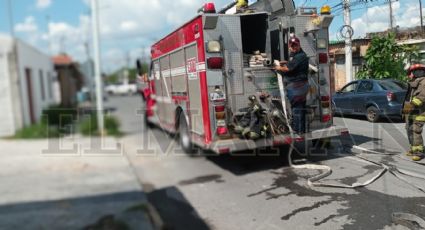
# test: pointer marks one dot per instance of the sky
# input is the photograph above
(129, 27)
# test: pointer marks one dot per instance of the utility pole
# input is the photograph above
(390, 3)
(348, 43)
(49, 36)
(90, 71)
(96, 47)
(422, 18)
(11, 22)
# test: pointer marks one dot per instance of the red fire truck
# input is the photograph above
(203, 73)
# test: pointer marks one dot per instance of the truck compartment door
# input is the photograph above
(194, 88)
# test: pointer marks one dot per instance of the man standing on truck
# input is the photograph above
(295, 73)
(414, 110)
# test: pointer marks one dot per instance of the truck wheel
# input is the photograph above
(183, 136)
(372, 114)
(148, 124)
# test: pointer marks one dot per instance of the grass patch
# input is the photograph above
(37, 131)
(88, 127)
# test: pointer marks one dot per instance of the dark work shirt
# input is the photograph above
(296, 79)
(298, 67)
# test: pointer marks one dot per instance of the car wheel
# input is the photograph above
(372, 114)
(183, 136)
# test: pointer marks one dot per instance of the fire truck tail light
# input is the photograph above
(323, 58)
(326, 111)
(220, 108)
(213, 47)
(326, 118)
(326, 104)
(220, 115)
(215, 63)
(322, 43)
(325, 98)
(221, 130)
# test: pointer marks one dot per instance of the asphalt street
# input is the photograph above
(205, 191)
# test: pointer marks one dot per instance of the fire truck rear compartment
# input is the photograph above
(254, 33)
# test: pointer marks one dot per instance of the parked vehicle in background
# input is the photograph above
(373, 98)
(121, 89)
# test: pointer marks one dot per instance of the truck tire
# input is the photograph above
(148, 124)
(183, 135)
(372, 114)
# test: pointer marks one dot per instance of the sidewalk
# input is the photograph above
(52, 189)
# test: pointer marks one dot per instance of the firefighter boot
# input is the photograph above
(417, 153)
(417, 156)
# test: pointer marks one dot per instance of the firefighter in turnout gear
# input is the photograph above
(414, 111)
(241, 6)
(252, 124)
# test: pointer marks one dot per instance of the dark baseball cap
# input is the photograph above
(294, 41)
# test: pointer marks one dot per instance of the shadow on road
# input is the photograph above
(355, 139)
(242, 163)
(174, 209)
(111, 211)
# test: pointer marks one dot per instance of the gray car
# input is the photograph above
(372, 98)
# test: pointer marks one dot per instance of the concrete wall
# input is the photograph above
(14, 95)
(8, 123)
(42, 73)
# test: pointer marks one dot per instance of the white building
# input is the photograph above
(27, 85)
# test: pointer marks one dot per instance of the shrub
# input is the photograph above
(58, 115)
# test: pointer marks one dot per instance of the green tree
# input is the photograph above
(386, 59)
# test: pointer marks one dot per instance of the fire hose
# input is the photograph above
(315, 180)
(406, 219)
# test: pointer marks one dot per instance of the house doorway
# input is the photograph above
(28, 78)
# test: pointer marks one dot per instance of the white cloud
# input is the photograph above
(68, 38)
(42, 4)
(27, 26)
(128, 25)
(145, 17)
(376, 18)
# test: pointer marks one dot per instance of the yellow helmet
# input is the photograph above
(241, 3)
(325, 9)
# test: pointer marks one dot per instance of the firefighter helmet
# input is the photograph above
(241, 3)
(416, 70)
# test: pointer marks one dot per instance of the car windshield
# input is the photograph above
(392, 85)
